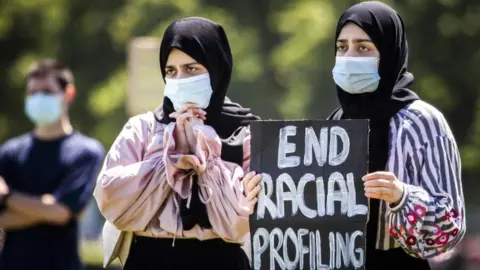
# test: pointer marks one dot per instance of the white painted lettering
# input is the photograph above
(319, 253)
(337, 195)
(284, 148)
(331, 243)
(312, 254)
(283, 196)
(354, 208)
(286, 190)
(317, 145)
(264, 200)
(290, 234)
(335, 158)
(320, 184)
(303, 249)
(274, 254)
(260, 244)
(342, 250)
(357, 262)
(310, 213)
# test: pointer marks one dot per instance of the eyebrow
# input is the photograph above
(357, 40)
(186, 64)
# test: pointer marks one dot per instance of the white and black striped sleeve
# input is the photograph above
(430, 218)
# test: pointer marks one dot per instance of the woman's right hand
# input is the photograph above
(182, 118)
(252, 184)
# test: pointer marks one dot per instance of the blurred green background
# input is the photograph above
(283, 56)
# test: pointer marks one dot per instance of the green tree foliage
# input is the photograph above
(283, 55)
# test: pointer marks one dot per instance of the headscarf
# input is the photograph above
(206, 42)
(386, 29)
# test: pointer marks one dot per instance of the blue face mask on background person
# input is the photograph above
(43, 109)
(356, 75)
(196, 90)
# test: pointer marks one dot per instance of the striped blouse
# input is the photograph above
(423, 154)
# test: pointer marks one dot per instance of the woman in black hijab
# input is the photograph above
(174, 182)
(413, 185)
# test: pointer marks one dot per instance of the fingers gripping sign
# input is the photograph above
(383, 186)
(252, 187)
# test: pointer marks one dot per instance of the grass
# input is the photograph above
(92, 254)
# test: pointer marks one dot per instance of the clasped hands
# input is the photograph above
(185, 141)
(188, 117)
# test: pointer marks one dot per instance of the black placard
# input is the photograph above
(312, 212)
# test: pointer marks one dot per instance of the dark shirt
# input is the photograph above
(64, 167)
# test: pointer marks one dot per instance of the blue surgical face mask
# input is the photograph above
(196, 90)
(43, 109)
(356, 75)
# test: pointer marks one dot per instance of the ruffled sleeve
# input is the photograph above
(220, 184)
(132, 184)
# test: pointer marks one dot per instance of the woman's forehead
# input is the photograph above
(351, 31)
(177, 57)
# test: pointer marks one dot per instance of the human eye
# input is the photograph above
(169, 71)
(192, 69)
(341, 48)
(363, 48)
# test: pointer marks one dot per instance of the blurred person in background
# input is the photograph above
(46, 177)
(91, 223)
(174, 188)
(417, 208)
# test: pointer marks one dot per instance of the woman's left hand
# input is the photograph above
(384, 186)
(189, 124)
(192, 116)
(252, 186)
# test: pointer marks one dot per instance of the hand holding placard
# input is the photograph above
(252, 188)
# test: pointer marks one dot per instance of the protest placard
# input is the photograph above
(312, 211)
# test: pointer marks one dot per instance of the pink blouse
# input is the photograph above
(143, 180)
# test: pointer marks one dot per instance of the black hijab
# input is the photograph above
(386, 29)
(206, 42)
